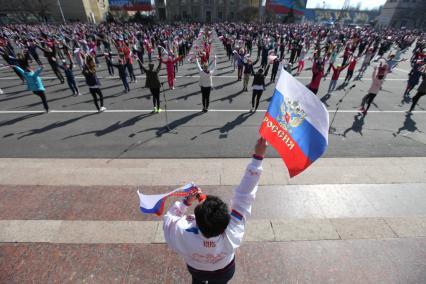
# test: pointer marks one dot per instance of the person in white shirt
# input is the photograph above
(207, 240)
(206, 82)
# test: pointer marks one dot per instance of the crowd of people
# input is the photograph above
(78, 47)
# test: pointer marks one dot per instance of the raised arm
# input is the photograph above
(159, 66)
(198, 64)
(214, 65)
(244, 195)
(38, 71)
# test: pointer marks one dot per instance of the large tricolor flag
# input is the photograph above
(296, 124)
(154, 204)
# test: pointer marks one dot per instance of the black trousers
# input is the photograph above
(110, 69)
(131, 73)
(221, 276)
(73, 85)
(256, 97)
(274, 75)
(42, 96)
(349, 75)
(96, 92)
(36, 58)
(57, 72)
(205, 93)
(155, 96)
(368, 99)
(416, 98)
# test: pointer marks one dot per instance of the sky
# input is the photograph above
(337, 4)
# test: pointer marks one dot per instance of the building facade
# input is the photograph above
(403, 13)
(207, 10)
(346, 17)
(33, 11)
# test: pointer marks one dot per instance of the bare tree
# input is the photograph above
(27, 10)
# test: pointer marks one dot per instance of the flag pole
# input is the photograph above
(331, 129)
(62, 13)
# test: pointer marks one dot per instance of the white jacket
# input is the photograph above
(206, 78)
(209, 254)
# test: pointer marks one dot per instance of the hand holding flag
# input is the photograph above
(154, 204)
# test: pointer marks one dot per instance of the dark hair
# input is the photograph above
(212, 216)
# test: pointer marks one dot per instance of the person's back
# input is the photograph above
(152, 80)
(208, 240)
(34, 82)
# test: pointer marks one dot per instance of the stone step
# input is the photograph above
(347, 261)
(113, 203)
(258, 230)
(164, 172)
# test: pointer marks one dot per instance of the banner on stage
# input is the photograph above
(296, 124)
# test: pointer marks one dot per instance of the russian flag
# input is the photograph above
(154, 204)
(296, 124)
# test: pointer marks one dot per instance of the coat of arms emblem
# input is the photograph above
(291, 115)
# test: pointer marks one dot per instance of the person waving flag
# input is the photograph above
(296, 124)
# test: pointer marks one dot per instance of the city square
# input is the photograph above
(70, 173)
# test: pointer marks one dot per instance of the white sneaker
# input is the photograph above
(102, 109)
(1, 92)
(79, 94)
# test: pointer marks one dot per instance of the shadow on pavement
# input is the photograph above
(229, 126)
(53, 126)
(409, 125)
(116, 126)
(230, 98)
(18, 119)
(356, 125)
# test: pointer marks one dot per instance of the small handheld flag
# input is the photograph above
(154, 204)
(296, 124)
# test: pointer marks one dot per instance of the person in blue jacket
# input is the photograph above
(34, 82)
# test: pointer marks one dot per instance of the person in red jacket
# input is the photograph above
(351, 69)
(317, 74)
(170, 66)
(336, 73)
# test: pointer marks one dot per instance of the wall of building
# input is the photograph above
(403, 13)
(348, 17)
(203, 10)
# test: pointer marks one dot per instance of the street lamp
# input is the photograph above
(62, 13)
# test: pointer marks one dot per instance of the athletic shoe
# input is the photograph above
(47, 111)
(79, 94)
(1, 92)
(159, 110)
(154, 110)
(102, 109)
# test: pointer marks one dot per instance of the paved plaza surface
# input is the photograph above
(129, 130)
(68, 180)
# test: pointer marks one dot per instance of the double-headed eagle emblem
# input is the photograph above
(291, 115)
